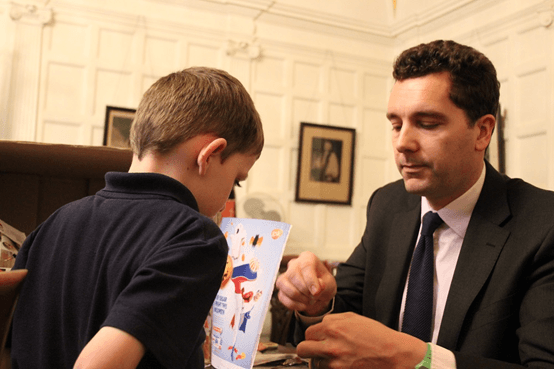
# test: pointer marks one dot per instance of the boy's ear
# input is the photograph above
(210, 149)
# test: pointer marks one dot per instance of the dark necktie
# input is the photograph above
(418, 311)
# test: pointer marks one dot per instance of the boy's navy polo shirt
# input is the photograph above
(137, 256)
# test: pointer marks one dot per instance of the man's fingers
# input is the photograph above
(293, 287)
(307, 285)
(291, 304)
(313, 273)
(311, 349)
(315, 332)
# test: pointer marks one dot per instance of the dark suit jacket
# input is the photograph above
(500, 307)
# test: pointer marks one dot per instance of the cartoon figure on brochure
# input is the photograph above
(242, 270)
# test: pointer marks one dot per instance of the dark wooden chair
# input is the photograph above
(10, 285)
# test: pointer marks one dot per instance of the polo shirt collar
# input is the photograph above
(149, 184)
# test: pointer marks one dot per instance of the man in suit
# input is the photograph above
(493, 285)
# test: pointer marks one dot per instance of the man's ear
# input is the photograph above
(485, 126)
(210, 149)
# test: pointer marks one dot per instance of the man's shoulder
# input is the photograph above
(394, 187)
(516, 188)
(514, 197)
(522, 193)
(394, 191)
(393, 196)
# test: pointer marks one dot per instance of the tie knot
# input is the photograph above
(431, 221)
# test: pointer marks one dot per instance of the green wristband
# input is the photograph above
(426, 362)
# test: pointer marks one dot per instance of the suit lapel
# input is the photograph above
(481, 247)
(399, 251)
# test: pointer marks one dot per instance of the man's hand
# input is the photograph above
(350, 340)
(307, 285)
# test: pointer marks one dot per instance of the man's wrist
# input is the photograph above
(426, 362)
(308, 320)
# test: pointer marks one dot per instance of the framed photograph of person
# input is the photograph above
(117, 126)
(325, 164)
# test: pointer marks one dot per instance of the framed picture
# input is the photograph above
(325, 164)
(118, 126)
(496, 151)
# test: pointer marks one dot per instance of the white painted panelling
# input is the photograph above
(116, 48)
(63, 133)
(270, 73)
(372, 174)
(375, 92)
(271, 108)
(531, 44)
(97, 136)
(342, 84)
(304, 110)
(65, 88)
(307, 79)
(203, 55)
(293, 172)
(533, 101)
(535, 147)
(267, 174)
(303, 231)
(498, 52)
(374, 138)
(342, 115)
(160, 51)
(338, 230)
(69, 40)
(240, 69)
(146, 82)
(112, 88)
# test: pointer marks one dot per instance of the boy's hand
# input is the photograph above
(307, 285)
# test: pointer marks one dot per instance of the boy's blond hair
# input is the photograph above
(196, 101)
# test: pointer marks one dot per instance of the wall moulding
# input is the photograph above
(546, 17)
(69, 12)
(31, 14)
(273, 12)
(526, 19)
(252, 50)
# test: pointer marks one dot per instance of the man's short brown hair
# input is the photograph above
(196, 101)
(475, 88)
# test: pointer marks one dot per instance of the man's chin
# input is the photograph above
(416, 186)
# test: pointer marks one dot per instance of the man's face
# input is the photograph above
(436, 151)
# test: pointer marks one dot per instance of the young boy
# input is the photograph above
(125, 278)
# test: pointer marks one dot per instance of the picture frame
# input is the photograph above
(325, 164)
(495, 153)
(118, 126)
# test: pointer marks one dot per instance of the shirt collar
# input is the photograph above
(154, 184)
(457, 214)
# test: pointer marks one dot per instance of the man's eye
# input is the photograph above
(237, 183)
(428, 124)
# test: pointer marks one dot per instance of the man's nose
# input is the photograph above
(406, 139)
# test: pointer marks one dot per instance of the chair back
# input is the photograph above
(10, 285)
